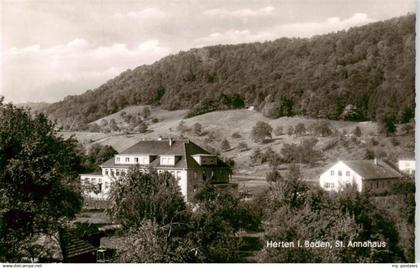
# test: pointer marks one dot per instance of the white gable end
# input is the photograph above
(339, 176)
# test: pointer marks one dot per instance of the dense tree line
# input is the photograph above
(365, 73)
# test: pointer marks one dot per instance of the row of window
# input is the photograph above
(339, 173)
(138, 160)
(332, 185)
(164, 160)
(329, 185)
(91, 180)
(378, 184)
(167, 160)
(98, 183)
(174, 173)
(115, 172)
(122, 172)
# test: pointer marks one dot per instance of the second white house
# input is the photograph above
(365, 174)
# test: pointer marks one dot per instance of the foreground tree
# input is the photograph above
(160, 227)
(154, 243)
(140, 196)
(39, 185)
(217, 219)
(155, 217)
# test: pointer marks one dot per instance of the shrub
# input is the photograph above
(236, 135)
(260, 131)
(374, 142)
(242, 146)
(273, 158)
(94, 127)
(407, 129)
(303, 152)
(113, 125)
(198, 128)
(290, 131)
(357, 132)
(300, 129)
(212, 136)
(387, 125)
(230, 162)
(380, 153)
(225, 145)
(146, 112)
(257, 157)
(278, 131)
(395, 141)
(182, 127)
(142, 127)
(272, 110)
(103, 123)
(369, 154)
(273, 176)
(322, 129)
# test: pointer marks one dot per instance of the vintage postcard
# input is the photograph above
(209, 131)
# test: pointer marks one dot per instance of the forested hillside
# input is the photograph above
(365, 73)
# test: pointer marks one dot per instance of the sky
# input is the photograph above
(54, 48)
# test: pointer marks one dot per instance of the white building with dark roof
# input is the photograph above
(408, 166)
(185, 160)
(365, 174)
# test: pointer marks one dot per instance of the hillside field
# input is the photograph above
(220, 125)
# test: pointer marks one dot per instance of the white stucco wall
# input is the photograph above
(110, 174)
(141, 159)
(113, 172)
(408, 166)
(337, 182)
(183, 182)
(95, 180)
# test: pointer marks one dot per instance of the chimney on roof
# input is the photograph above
(170, 142)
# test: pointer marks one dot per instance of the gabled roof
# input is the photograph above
(408, 156)
(157, 147)
(184, 149)
(367, 169)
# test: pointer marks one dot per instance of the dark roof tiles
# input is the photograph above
(184, 149)
(367, 169)
(157, 147)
